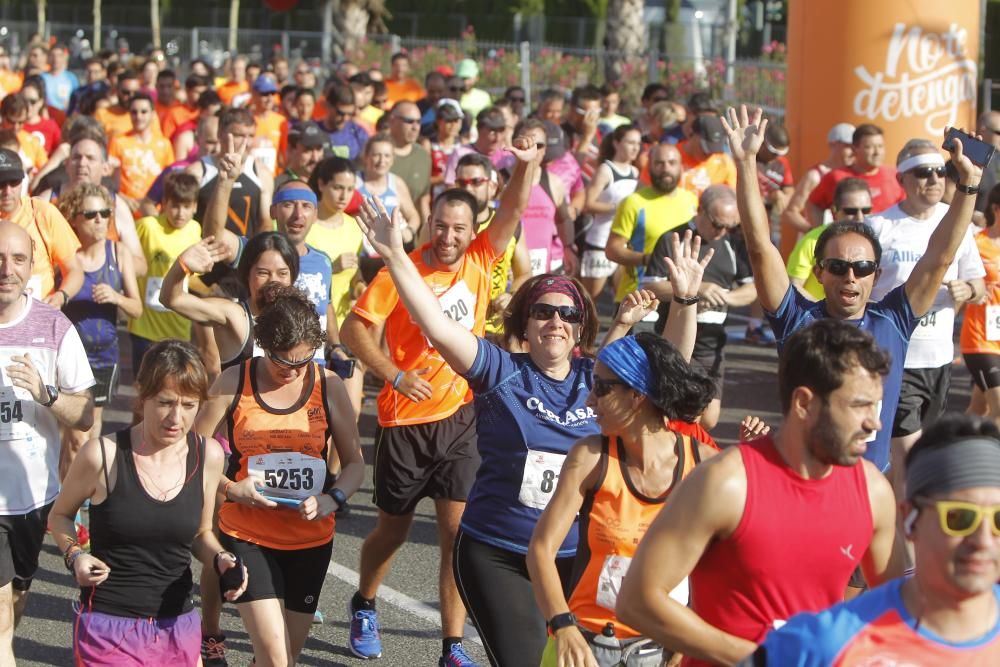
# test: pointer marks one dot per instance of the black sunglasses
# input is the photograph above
(854, 210)
(103, 212)
(546, 311)
(602, 386)
(925, 172)
(455, 89)
(839, 267)
(289, 364)
(408, 121)
(720, 226)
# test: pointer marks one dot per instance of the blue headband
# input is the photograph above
(626, 359)
(294, 194)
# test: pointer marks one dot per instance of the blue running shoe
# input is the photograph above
(317, 617)
(365, 641)
(457, 657)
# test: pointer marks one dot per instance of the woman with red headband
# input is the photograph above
(530, 408)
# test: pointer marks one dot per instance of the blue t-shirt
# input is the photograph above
(58, 88)
(526, 423)
(873, 629)
(347, 142)
(890, 321)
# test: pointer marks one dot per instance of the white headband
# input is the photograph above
(921, 160)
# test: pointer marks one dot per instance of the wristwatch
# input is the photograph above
(53, 394)
(560, 621)
(338, 497)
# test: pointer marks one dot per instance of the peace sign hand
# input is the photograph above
(233, 156)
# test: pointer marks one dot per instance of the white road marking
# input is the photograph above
(399, 599)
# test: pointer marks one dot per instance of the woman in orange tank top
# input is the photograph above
(281, 412)
(617, 482)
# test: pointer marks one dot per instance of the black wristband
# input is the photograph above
(967, 189)
(215, 561)
(339, 497)
(560, 621)
(687, 301)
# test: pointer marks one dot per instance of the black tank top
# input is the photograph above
(145, 542)
(247, 351)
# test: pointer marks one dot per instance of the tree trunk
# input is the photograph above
(154, 19)
(626, 38)
(41, 19)
(97, 26)
(234, 24)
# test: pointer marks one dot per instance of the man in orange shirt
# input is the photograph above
(166, 94)
(10, 81)
(401, 86)
(141, 154)
(115, 119)
(14, 112)
(54, 241)
(704, 158)
(426, 438)
(236, 85)
(181, 114)
(271, 136)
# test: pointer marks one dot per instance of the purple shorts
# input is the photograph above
(103, 640)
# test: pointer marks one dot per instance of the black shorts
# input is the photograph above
(107, 385)
(294, 576)
(922, 399)
(434, 460)
(710, 353)
(21, 537)
(985, 369)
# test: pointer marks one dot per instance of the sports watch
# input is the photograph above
(53, 394)
(338, 497)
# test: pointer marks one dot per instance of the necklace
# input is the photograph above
(146, 478)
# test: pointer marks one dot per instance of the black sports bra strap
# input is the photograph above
(104, 465)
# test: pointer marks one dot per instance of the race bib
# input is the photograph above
(541, 474)
(288, 474)
(459, 304)
(17, 414)
(992, 322)
(595, 264)
(268, 155)
(539, 258)
(609, 582)
(935, 325)
(34, 287)
(153, 287)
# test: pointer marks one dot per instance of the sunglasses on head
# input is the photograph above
(961, 519)
(925, 172)
(546, 311)
(854, 210)
(103, 212)
(465, 182)
(286, 363)
(601, 387)
(839, 267)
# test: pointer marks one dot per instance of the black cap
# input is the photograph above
(555, 142)
(309, 135)
(11, 168)
(709, 129)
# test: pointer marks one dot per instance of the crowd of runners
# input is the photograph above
(261, 239)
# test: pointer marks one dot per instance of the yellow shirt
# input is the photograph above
(643, 217)
(335, 242)
(802, 260)
(500, 277)
(161, 244)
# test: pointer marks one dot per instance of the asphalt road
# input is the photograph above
(408, 601)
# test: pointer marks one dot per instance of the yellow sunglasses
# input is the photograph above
(961, 519)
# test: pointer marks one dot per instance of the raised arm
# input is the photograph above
(685, 271)
(514, 198)
(230, 165)
(746, 135)
(457, 345)
(922, 285)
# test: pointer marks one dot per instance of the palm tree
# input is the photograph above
(41, 18)
(627, 38)
(234, 23)
(97, 26)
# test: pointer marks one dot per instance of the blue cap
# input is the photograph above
(265, 84)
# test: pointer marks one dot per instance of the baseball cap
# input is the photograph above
(555, 142)
(709, 128)
(11, 168)
(841, 133)
(467, 69)
(264, 84)
(492, 119)
(308, 135)
(448, 109)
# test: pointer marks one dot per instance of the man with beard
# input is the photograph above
(848, 256)
(426, 437)
(647, 214)
(905, 232)
(947, 612)
(775, 527)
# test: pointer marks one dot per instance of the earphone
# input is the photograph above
(910, 519)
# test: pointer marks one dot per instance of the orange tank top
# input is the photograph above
(614, 518)
(286, 450)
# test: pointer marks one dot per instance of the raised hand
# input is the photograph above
(745, 131)
(233, 155)
(635, 306)
(383, 231)
(753, 427)
(202, 256)
(524, 149)
(684, 267)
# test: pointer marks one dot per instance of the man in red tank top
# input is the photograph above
(769, 529)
